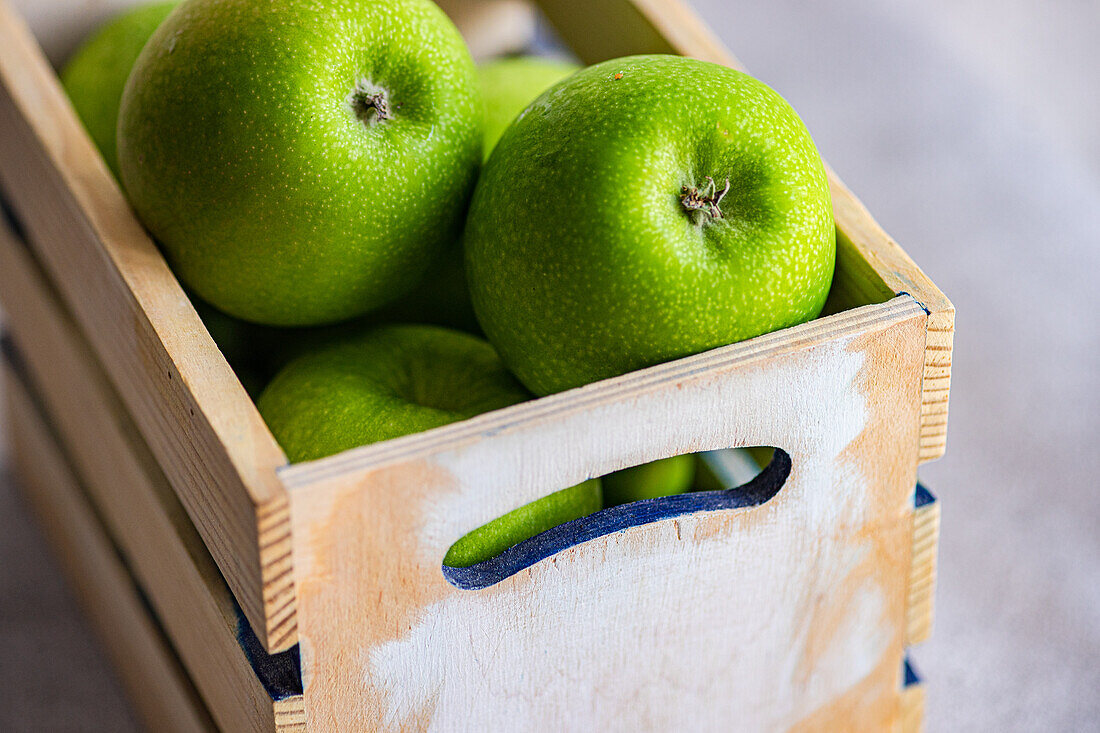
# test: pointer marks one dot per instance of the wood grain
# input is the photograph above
(151, 674)
(132, 495)
(188, 404)
(922, 577)
(387, 641)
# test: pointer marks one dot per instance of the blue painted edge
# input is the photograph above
(921, 304)
(617, 519)
(281, 673)
(922, 496)
(911, 676)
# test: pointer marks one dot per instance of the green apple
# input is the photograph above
(301, 162)
(442, 298)
(401, 379)
(491, 539)
(729, 467)
(96, 74)
(508, 85)
(644, 209)
(665, 477)
(385, 383)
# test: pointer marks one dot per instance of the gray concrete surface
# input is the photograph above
(969, 129)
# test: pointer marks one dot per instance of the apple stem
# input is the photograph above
(706, 200)
(370, 103)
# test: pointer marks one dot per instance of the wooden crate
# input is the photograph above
(171, 691)
(794, 613)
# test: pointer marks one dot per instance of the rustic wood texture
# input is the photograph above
(922, 576)
(800, 605)
(155, 682)
(871, 267)
(937, 383)
(200, 423)
(912, 709)
(493, 27)
(204, 431)
(132, 496)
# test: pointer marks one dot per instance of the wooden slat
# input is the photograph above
(492, 27)
(912, 709)
(871, 267)
(598, 30)
(155, 682)
(200, 423)
(922, 576)
(132, 495)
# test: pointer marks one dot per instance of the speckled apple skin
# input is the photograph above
(508, 85)
(582, 262)
(489, 540)
(272, 199)
(384, 383)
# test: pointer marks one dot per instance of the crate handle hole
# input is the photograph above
(727, 467)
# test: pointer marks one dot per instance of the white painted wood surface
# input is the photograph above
(761, 619)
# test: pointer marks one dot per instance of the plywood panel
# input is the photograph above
(800, 605)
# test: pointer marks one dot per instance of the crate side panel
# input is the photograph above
(661, 622)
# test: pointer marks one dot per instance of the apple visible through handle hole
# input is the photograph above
(489, 540)
(723, 479)
(665, 477)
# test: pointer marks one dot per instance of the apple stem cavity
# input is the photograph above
(370, 103)
(705, 201)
